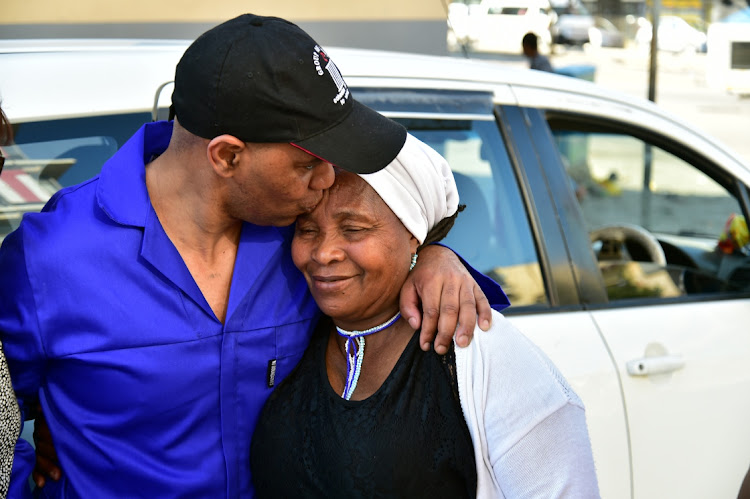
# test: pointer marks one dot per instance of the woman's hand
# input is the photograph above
(449, 297)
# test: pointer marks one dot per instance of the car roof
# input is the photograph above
(101, 76)
(117, 74)
(93, 77)
(98, 77)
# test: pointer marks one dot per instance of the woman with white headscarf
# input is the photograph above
(367, 413)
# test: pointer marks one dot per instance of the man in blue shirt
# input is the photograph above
(530, 46)
(152, 309)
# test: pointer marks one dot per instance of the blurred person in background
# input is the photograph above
(366, 413)
(530, 46)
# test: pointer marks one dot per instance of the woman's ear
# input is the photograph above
(223, 153)
(413, 244)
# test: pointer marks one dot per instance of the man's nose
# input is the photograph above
(323, 177)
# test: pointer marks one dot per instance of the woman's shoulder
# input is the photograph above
(516, 366)
(502, 335)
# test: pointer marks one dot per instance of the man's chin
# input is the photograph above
(275, 222)
(286, 222)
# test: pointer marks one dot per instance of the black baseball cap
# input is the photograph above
(263, 79)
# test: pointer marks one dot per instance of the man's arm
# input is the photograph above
(47, 465)
(441, 294)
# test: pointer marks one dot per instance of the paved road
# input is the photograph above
(681, 89)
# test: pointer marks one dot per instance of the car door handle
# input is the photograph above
(655, 365)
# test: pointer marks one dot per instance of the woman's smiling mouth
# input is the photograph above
(329, 282)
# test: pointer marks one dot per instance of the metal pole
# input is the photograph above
(648, 157)
(655, 8)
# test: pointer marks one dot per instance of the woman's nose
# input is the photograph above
(327, 250)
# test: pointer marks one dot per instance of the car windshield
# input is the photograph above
(570, 8)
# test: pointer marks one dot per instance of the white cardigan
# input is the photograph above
(527, 425)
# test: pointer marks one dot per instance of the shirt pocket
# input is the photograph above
(291, 343)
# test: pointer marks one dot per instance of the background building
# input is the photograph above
(414, 25)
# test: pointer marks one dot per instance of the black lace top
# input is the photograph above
(409, 439)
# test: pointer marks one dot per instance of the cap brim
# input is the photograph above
(364, 142)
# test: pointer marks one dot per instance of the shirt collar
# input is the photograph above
(121, 191)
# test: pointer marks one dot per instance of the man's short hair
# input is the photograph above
(530, 40)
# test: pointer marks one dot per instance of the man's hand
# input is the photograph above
(47, 465)
(449, 297)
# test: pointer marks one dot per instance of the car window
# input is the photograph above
(49, 155)
(507, 11)
(485, 234)
(571, 8)
(656, 220)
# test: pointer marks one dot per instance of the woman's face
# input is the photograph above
(354, 253)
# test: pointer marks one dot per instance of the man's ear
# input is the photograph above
(223, 153)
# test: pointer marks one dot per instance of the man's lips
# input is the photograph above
(310, 207)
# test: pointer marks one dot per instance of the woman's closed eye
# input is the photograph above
(355, 230)
(305, 230)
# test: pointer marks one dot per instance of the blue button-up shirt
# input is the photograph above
(146, 392)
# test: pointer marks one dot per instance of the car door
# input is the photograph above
(677, 328)
(511, 231)
(568, 332)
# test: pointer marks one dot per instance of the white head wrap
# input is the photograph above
(417, 186)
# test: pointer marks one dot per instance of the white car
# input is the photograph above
(674, 35)
(499, 25)
(605, 34)
(573, 23)
(599, 213)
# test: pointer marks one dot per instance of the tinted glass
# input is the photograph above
(661, 226)
(740, 58)
(508, 11)
(493, 233)
(49, 155)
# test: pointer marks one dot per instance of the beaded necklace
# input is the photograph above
(355, 353)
